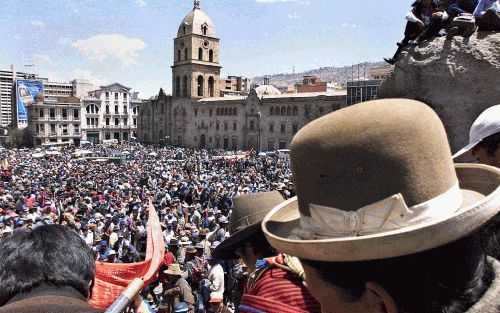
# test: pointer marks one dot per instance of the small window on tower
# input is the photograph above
(204, 29)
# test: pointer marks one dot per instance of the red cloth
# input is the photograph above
(279, 291)
(112, 278)
(168, 258)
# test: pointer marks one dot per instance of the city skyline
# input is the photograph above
(131, 41)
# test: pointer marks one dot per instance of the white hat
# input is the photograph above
(487, 124)
(112, 252)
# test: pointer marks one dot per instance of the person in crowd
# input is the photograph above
(384, 221)
(47, 269)
(104, 251)
(484, 138)
(217, 303)
(487, 15)
(425, 19)
(268, 271)
(215, 275)
(177, 290)
(462, 20)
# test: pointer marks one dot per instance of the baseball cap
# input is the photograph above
(487, 124)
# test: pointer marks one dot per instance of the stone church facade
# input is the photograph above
(196, 116)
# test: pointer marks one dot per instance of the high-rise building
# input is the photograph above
(6, 87)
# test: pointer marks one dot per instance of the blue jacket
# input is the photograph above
(462, 6)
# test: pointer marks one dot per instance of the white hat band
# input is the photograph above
(389, 214)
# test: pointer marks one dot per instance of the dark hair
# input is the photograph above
(259, 244)
(50, 254)
(490, 143)
(448, 279)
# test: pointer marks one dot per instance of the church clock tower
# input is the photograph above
(196, 70)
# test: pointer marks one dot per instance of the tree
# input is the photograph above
(20, 138)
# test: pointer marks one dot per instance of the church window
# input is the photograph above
(179, 55)
(211, 55)
(201, 83)
(204, 29)
(185, 29)
(178, 86)
(211, 86)
(200, 54)
(185, 86)
(185, 53)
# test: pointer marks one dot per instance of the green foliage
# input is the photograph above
(20, 138)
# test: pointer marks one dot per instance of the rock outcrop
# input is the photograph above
(458, 78)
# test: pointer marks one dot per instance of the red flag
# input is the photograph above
(112, 278)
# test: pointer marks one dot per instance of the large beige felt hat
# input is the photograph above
(376, 180)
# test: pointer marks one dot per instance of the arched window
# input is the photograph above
(283, 110)
(295, 111)
(211, 55)
(125, 109)
(179, 55)
(185, 29)
(211, 86)
(201, 87)
(204, 29)
(185, 53)
(178, 86)
(135, 110)
(271, 111)
(289, 111)
(200, 54)
(116, 109)
(185, 86)
(226, 111)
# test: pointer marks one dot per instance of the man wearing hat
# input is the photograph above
(484, 138)
(217, 303)
(383, 220)
(248, 243)
(176, 290)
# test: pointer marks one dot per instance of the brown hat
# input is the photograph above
(174, 269)
(248, 212)
(190, 249)
(376, 180)
(202, 232)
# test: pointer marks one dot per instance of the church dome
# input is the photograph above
(197, 22)
(267, 90)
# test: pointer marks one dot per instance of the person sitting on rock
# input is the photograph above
(425, 20)
(487, 15)
(463, 22)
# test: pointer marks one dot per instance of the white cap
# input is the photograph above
(112, 252)
(487, 124)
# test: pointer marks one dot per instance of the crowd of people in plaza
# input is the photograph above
(102, 193)
(383, 220)
(431, 18)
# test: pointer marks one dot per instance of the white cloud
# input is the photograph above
(140, 3)
(96, 80)
(38, 24)
(293, 16)
(104, 46)
(42, 58)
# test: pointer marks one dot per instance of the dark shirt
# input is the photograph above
(462, 6)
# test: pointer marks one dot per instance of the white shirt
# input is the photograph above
(216, 278)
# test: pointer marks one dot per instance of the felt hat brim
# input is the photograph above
(226, 249)
(479, 185)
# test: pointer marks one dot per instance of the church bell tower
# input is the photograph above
(196, 69)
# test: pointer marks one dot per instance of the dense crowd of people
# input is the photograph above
(102, 193)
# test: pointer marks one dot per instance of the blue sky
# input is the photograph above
(130, 41)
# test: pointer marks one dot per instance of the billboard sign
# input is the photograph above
(28, 92)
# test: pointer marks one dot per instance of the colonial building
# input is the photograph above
(110, 113)
(195, 115)
(56, 122)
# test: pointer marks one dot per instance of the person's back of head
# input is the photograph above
(51, 254)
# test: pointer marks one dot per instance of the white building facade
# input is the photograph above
(110, 113)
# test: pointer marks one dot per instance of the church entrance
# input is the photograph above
(252, 143)
(203, 140)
